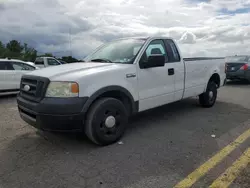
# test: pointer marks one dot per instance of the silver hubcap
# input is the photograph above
(211, 94)
(110, 121)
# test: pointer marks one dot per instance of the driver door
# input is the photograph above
(155, 84)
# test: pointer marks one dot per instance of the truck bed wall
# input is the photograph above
(198, 71)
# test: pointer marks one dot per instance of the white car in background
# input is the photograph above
(31, 63)
(11, 71)
(43, 62)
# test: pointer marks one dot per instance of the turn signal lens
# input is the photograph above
(74, 88)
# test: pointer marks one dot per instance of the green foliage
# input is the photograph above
(14, 46)
(15, 50)
(3, 51)
(69, 59)
(46, 55)
(29, 54)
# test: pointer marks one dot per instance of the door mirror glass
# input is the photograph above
(154, 61)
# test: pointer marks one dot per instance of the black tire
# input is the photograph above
(206, 99)
(95, 127)
(247, 81)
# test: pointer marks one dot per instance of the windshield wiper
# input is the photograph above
(101, 60)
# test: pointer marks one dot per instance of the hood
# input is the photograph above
(74, 69)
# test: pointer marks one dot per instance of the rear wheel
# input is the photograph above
(208, 98)
(106, 121)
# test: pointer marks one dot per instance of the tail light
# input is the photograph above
(244, 67)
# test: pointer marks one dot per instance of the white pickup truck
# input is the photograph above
(119, 79)
(43, 62)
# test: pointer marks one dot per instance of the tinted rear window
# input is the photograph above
(6, 65)
(39, 61)
(2, 65)
(237, 59)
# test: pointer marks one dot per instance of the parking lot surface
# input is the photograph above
(177, 145)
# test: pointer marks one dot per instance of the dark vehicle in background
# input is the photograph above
(63, 62)
(238, 67)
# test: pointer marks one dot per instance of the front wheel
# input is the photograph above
(208, 98)
(106, 121)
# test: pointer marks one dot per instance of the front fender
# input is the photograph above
(103, 90)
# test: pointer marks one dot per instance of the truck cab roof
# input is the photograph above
(145, 38)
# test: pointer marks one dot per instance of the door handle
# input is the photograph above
(130, 75)
(171, 71)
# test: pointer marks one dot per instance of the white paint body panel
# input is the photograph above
(151, 87)
(179, 77)
(198, 74)
(93, 76)
(155, 86)
(10, 79)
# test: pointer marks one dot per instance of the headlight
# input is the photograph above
(62, 89)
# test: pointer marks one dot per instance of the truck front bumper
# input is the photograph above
(53, 114)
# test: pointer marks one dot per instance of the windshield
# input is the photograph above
(120, 51)
(237, 59)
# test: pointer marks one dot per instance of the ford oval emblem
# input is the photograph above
(26, 88)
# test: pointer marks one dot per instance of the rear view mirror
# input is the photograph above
(154, 61)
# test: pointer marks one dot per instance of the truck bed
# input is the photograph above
(201, 58)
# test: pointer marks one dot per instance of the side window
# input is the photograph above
(174, 55)
(39, 61)
(2, 65)
(21, 66)
(156, 47)
(52, 62)
(9, 66)
(17, 66)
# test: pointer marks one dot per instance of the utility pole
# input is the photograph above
(70, 41)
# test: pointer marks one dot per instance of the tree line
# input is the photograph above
(16, 50)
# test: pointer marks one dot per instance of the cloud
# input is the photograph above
(188, 38)
(200, 27)
(40, 23)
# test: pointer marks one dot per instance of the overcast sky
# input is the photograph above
(201, 27)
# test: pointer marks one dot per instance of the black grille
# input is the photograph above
(33, 88)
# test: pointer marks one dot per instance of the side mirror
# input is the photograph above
(154, 61)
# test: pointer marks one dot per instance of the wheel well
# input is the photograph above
(215, 78)
(120, 96)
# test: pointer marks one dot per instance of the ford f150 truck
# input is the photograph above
(118, 79)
